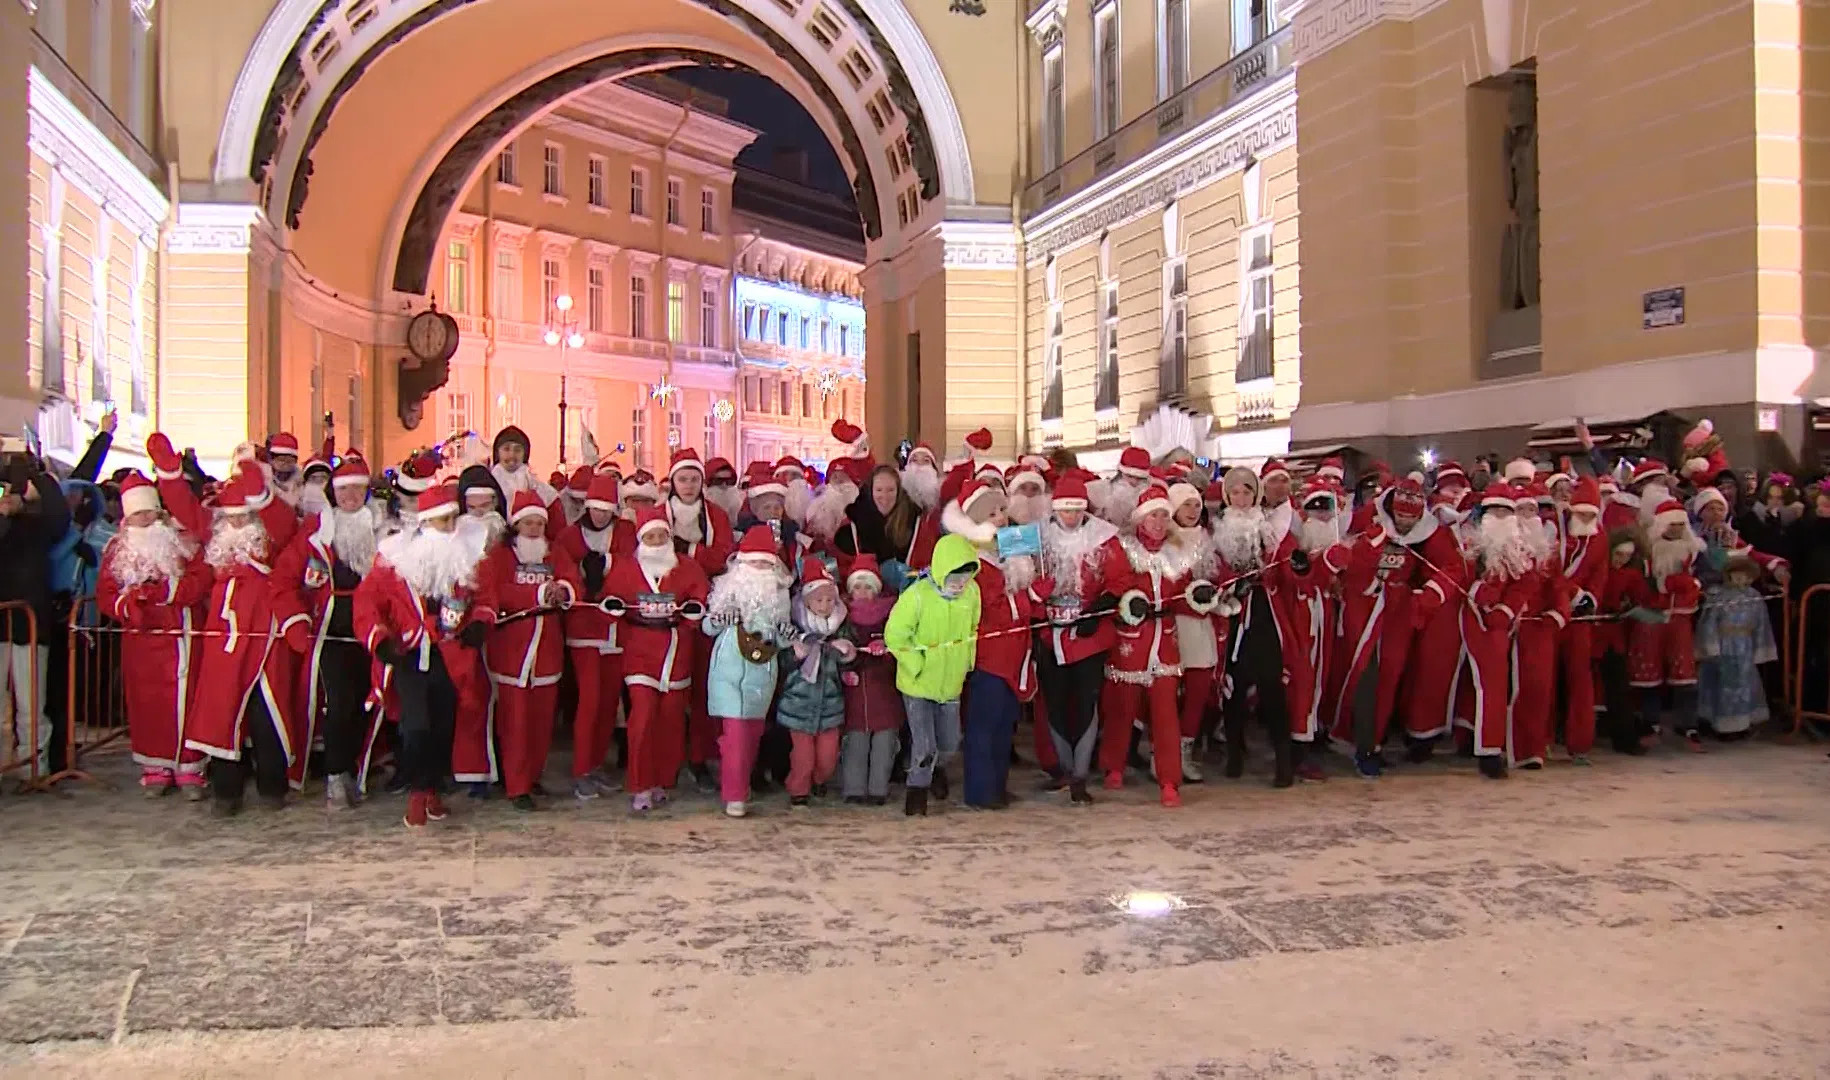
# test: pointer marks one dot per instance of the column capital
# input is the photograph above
(1046, 23)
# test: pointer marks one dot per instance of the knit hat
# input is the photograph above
(438, 502)
(602, 494)
(510, 434)
(137, 494)
(1181, 494)
(865, 567)
(1153, 499)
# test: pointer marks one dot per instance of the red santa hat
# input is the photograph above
(1023, 474)
(610, 467)
(1135, 463)
(849, 434)
(791, 464)
(1607, 483)
(137, 494)
(352, 473)
(1496, 495)
(557, 480)
(418, 472)
(864, 568)
(316, 464)
(438, 502)
(1319, 494)
(1450, 470)
(1670, 512)
(1586, 495)
(718, 467)
(1331, 468)
(975, 493)
(1525, 499)
(580, 482)
(526, 505)
(650, 519)
(602, 493)
(1704, 497)
(283, 443)
(641, 485)
(1704, 459)
(846, 469)
(1070, 492)
(927, 451)
(1648, 469)
(1155, 497)
(759, 543)
(1519, 471)
(760, 480)
(978, 442)
(1272, 469)
(1179, 494)
(814, 575)
(1565, 474)
(254, 483)
(685, 458)
(1407, 496)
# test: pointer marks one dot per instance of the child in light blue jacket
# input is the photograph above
(746, 614)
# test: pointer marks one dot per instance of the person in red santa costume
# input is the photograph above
(721, 488)
(1400, 571)
(242, 705)
(1582, 552)
(284, 479)
(1318, 611)
(1071, 664)
(921, 476)
(1261, 574)
(653, 594)
(765, 503)
(152, 580)
(1197, 635)
(597, 659)
(637, 492)
(792, 476)
(1499, 592)
(1026, 494)
(424, 610)
(1003, 678)
(1662, 654)
(1543, 614)
(1114, 499)
(858, 447)
(1151, 573)
(703, 534)
(325, 562)
(525, 655)
(826, 514)
(1279, 507)
(570, 505)
(278, 519)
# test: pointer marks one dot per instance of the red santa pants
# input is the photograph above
(657, 738)
(1119, 702)
(1197, 695)
(1574, 648)
(1534, 695)
(600, 692)
(524, 729)
(1662, 654)
(702, 728)
(473, 740)
(1490, 671)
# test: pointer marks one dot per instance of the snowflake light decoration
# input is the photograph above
(663, 390)
(724, 410)
(828, 383)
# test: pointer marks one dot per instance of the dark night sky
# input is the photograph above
(759, 103)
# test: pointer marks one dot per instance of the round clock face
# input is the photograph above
(431, 335)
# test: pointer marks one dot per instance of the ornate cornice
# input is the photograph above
(354, 320)
(1047, 23)
(1223, 144)
(63, 136)
(977, 245)
(214, 229)
(1320, 25)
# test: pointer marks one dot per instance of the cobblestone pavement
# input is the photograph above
(1664, 917)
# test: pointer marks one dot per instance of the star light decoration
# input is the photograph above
(828, 383)
(662, 390)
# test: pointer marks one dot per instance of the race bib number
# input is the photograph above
(1391, 561)
(451, 612)
(1063, 609)
(655, 605)
(317, 574)
(533, 573)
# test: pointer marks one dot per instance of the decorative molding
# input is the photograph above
(76, 148)
(1258, 127)
(1320, 25)
(509, 234)
(977, 245)
(642, 261)
(554, 243)
(214, 229)
(324, 309)
(462, 225)
(1047, 23)
(597, 251)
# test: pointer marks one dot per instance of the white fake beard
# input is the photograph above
(1501, 547)
(922, 482)
(155, 552)
(1120, 500)
(1066, 551)
(1240, 537)
(1651, 497)
(1019, 573)
(1318, 534)
(434, 564)
(481, 532)
(291, 492)
(596, 540)
(685, 519)
(1583, 525)
(1029, 509)
(1674, 556)
(1535, 535)
(313, 499)
(530, 550)
(656, 562)
(826, 513)
(728, 498)
(231, 545)
(353, 535)
(800, 497)
(752, 596)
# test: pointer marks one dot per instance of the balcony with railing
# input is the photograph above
(1247, 73)
(610, 346)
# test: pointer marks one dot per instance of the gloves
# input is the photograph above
(1043, 586)
(1299, 561)
(389, 652)
(692, 609)
(473, 633)
(612, 606)
(876, 647)
(1204, 593)
(1136, 608)
(1583, 608)
(298, 638)
(593, 568)
(159, 451)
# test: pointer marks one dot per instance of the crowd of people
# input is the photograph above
(743, 631)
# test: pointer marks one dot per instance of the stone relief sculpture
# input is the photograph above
(1519, 249)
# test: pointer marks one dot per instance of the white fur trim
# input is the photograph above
(137, 499)
(658, 523)
(1135, 474)
(955, 521)
(770, 488)
(526, 512)
(445, 510)
(413, 485)
(1704, 498)
(633, 490)
(1188, 595)
(599, 504)
(1068, 504)
(359, 480)
(1153, 505)
(1672, 517)
(686, 463)
(1182, 493)
(1521, 470)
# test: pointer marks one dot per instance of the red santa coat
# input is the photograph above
(1392, 584)
(715, 546)
(529, 651)
(1076, 566)
(1489, 619)
(1148, 651)
(305, 565)
(1005, 646)
(243, 652)
(586, 625)
(657, 657)
(921, 545)
(156, 652)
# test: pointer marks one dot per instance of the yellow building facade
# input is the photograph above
(1225, 226)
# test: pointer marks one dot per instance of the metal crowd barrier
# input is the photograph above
(1795, 660)
(94, 701)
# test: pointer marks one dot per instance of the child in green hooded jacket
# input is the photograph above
(933, 634)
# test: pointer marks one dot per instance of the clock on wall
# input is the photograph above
(433, 335)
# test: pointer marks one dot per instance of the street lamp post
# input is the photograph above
(563, 334)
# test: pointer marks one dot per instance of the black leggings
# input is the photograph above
(428, 716)
(343, 670)
(262, 754)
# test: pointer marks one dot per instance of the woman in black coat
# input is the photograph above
(880, 521)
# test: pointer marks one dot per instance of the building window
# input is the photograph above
(552, 177)
(1256, 308)
(596, 189)
(457, 277)
(1253, 21)
(1105, 70)
(786, 393)
(638, 193)
(781, 328)
(506, 172)
(806, 331)
(1105, 393)
(844, 340)
(457, 412)
(1051, 367)
(710, 450)
(708, 211)
(674, 191)
(676, 427)
(825, 336)
(749, 321)
(507, 299)
(638, 306)
(752, 393)
(638, 436)
(1054, 110)
(594, 299)
(807, 400)
(551, 285)
(767, 403)
(1172, 366)
(356, 411)
(708, 316)
(1171, 48)
(676, 310)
